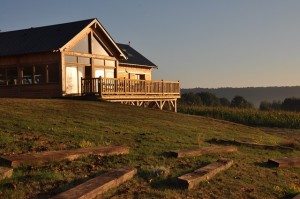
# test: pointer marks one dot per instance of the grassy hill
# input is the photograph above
(28, 125)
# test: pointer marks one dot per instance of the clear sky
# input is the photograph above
(202, 43)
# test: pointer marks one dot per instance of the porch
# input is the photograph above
(146, 93)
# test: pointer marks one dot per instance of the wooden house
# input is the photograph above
(79, 58)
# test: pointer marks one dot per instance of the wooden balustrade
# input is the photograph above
(115, 86)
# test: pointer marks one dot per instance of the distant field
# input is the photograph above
(28, 125)
(251, 117)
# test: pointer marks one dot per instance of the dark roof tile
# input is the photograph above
(134, 57)
(41, 39)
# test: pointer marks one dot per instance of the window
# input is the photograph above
(99, 62)
(3, 76)
(97, 48)
(140, 77)
(71, 59)
(27, 75)
(110, 63)
(40, 74)
(53, 73)
(82, 46)
(84, 60)
(12, 76)
(109, 73)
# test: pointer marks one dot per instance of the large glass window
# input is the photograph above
(110, 63)
(82, 46)
(84, 60)
(71, 59)
(12, 76)
(53, 73)
(97, 47)
(27, 75)
(3, 76)
(109, 73)
(99, 62)
(40, 74)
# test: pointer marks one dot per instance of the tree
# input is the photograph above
(209, 99)
(265, 106)
(291, 104)
(224, 102)
(190, 99)
(240, 102)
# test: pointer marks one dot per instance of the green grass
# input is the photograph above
(29, 125)
(251, 117)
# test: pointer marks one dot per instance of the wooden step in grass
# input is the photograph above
(297, 197)
(47, 156)
(97, 186)
(285, 162)
(192, 179)
(5, 172)
(202, 151)
(250, 144)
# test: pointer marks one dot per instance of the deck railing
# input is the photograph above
(115, 86)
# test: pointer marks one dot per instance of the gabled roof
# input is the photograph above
(45, 39)
(41, 39)
(134, 57)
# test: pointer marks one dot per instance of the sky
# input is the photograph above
(201, 43)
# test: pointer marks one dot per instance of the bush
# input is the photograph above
(240, 102)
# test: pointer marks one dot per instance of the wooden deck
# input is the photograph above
(147, 93)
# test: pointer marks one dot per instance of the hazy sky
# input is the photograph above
(211, 43)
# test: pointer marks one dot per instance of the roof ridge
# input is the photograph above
(47, 26)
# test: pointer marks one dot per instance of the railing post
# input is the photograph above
(100, 86)
(81, 86)
(124, 85)
(162, 86)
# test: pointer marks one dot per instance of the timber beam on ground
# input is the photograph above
(95, 187)
(190, 180)
(297, 196)
(203, 151)
(47, 156)
(285, 162)
(5, 172)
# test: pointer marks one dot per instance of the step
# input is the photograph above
(297, 197)
(203, 151)
(98, 185)
(5, 172)
(47, 156)
(286, 162)
(192, 179)
(250, 144)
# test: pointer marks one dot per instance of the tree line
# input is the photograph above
(210, 99)
(288, 104)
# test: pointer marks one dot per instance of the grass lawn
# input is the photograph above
(33, 125)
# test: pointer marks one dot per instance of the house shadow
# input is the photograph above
(265, 164)
(172, 183)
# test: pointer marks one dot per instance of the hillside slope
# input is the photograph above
(28, 125)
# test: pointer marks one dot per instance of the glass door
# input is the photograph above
(73, 79)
